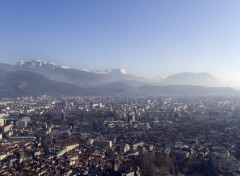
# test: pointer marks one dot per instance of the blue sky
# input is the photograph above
(147, 37)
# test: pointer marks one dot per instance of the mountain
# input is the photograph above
(83, 78)
(8, 67)
(195, 79)
(23, 83)
(93, 78)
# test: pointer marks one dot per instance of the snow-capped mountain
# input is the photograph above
(34, 63)
(122, 71)
(89, 78)
(37, 64)
(36, 77)
(79, 77)
(25, 83)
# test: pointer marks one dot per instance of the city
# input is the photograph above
(119, 88)
(120, 135)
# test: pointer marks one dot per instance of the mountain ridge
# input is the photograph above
(25, 83)
(93, 78)
(78, 77)
(34, 64)
(188, 78)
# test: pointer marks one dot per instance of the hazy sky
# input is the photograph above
(147, 37)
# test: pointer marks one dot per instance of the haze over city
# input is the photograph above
(120, 88)
(148, 38)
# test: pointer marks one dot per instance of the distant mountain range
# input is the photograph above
(79, 77)
(23, 83)
(37, 77)
(89, 78)
(196, 79)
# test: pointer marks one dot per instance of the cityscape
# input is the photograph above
(128, 136)
(119, 88)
